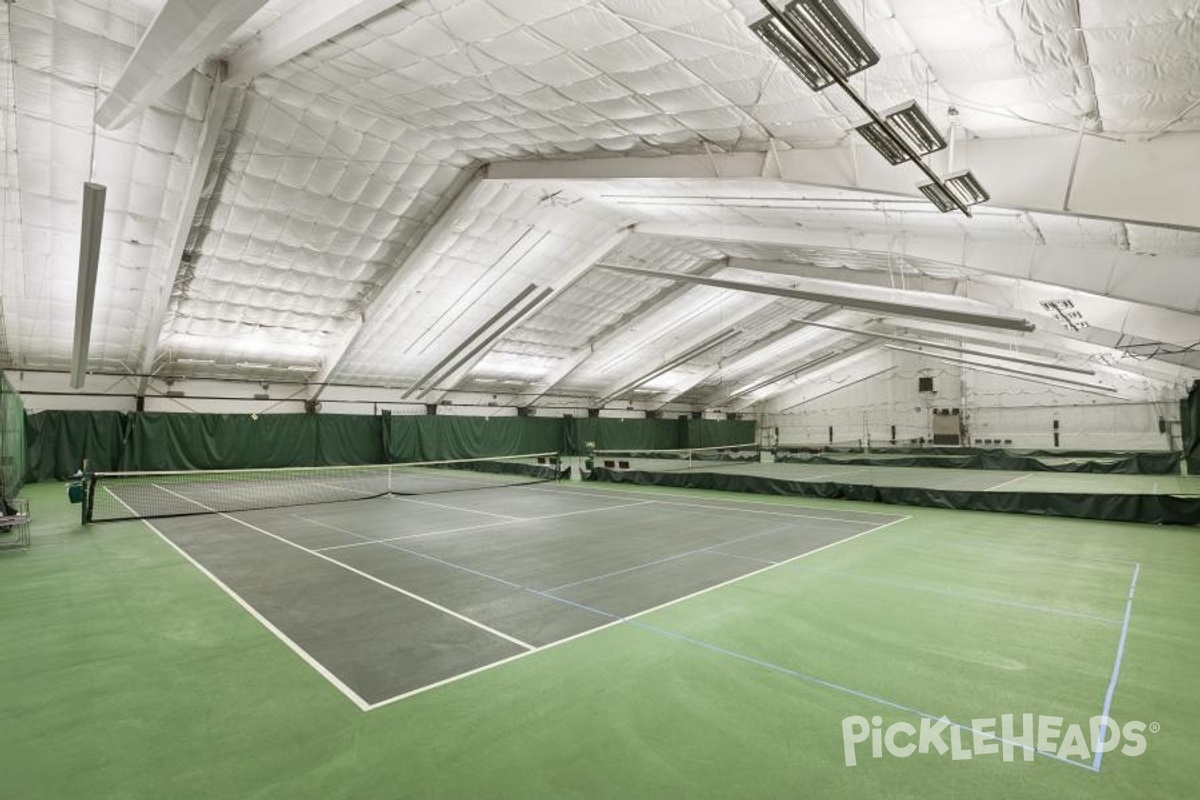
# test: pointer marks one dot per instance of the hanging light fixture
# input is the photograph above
(825, 27)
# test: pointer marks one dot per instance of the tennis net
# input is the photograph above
(115, 496)
(673, 460)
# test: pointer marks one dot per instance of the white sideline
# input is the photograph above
(360, 573)
(253, 612)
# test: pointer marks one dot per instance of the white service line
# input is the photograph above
(456, 508)
(307, 658)
(619, 620)
(360, 573)
(1007, 482)
(466, 528)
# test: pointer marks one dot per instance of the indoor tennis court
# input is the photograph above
(577, 399)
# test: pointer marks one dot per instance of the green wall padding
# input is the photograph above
(1190, 415)
(57, 442)
(166, 441)
(434, 438)
(345, 439)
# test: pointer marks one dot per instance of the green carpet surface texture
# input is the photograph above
(127, 673)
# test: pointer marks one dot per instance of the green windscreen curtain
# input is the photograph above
(584, 434)
(57, 442)
(436, 438)
(715, 433)
(13, 455)
(1189, 409)
(344, 439)
(167, 441)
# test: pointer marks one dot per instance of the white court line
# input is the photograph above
(466, 528)
(735, 509)
(642, 613)
(360, 573)
(1007, 482)
(456, 508)
(253, 612)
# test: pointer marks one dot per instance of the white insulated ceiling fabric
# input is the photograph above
(344, 229)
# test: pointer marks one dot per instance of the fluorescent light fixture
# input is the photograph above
(883, 142)
(966, 187)
(195, 361)
(476, 334)
(937, 194)
(825, 29)
(671, 363)
(252, 365)
(961, 186)
(908, 122)
(89, 265)
(298, 368)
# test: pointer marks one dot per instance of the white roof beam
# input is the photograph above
(861, 298)
(1151, 182)
(180, 38)
(303, 28)
(210, 132)
(1146, 279)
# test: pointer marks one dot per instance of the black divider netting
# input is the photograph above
(147, 495)
(677, 459)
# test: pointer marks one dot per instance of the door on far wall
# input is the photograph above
(946, 428)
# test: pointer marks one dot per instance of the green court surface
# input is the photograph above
(128, 673)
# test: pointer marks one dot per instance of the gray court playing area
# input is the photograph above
(393, 595)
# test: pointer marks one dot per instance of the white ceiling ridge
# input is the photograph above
(614, 331)
(739, 364)
(426, 248)
(1146, 182)
(699, 376)
(564, 282)
(784, 384)
(669, 363)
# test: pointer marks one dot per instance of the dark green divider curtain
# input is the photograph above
(434, 438)
(166, 441)
(1190, 415)
(344, 439)
(13, 453)
(57, 442)
(717, 432)
(619, 434)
